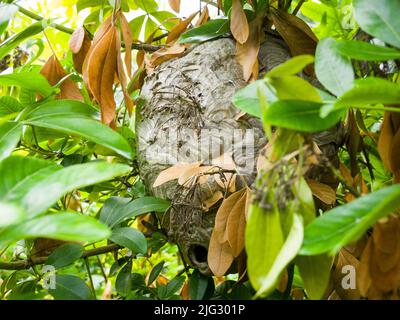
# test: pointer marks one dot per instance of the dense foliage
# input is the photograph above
(76, 221)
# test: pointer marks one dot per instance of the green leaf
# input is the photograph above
(27, 80)
(300, 115)
(39, 190)
(123, 283)
(65, 226)
(10, 214)
(294, 88)
(65, 255)
(69, 287)
(379, 19)
(136, 26)
(7, 12)
(147, 5)
(130, 238)
(210, 30)
(9, 106)
(347, 223)
(83, 4)
(199, 285)
(333, 70)
(246, 99)
(268, 278)
(264, 240)
(85, 128)
(291, 67)
(10, 133)
(315, 272)
(172, 287)
(361, 50)
(117, 209)
(7, 45)
(155, 272)
(370, 91)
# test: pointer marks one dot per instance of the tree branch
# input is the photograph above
(26, 264)
(297, 9)
(34, 16)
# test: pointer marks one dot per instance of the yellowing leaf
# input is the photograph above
(239, 24)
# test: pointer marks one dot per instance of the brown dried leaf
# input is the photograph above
(122, 77)
(180, 28)
(167, 53)
(204, 16)
(239, 24)
(76, 40)
(128, 40)
(173, 173)
(107, 102)
(54, 73)
(236, 224)
(223, 213)
(247, 53)
(175, 5)
(79, 56)
(213, 200)
(297, 34)
(322, 191)
(220, 256)
(191, 174)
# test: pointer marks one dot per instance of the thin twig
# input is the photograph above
(297, 9)
(26, 264)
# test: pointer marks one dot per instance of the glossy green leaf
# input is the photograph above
(136, 25)
(130, 238)
(247, 100)
(291, 67)
(364, 51)
(69, 287)
(370, 91)
(210, 30)
(300, 115)
(347, 223)
(10, 214)
(117, 209)
(380, 19)
(155, 272)
(9, 105)
(65, 255)
(123, 282)
(315, 272)
(86, 128)
(294, 88)
(333, 70)
(168, 290)
(10, 134)
(198, 285)
(264, 240)
(65, 226)
(28, 80)
(39, 190)
(147, 5)
(7, 45)
(268, 278)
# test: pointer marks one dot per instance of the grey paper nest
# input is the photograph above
(188, 117)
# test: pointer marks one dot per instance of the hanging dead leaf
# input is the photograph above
(76, 40)
(204, 16)
(223, 213)
(297, 34)
(213, 200)
(54, 73)
(180, 28)
(353, 142)
(239, 24)
(175, 5)
(185, 291)
(236, 224)
(191, 175)
(122, 77)
(165, 54)
(173, 173)
(128, 40)
(219, 256)
(344, 258)
(247, 53)
(322, 191)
